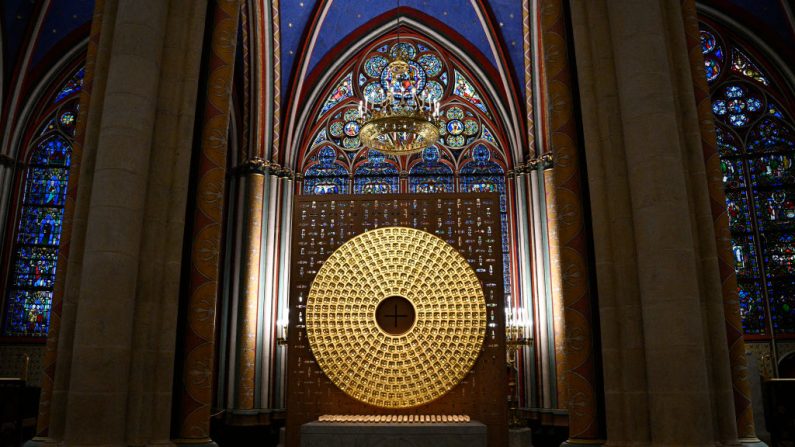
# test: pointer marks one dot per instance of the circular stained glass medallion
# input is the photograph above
(455, 127)
(336, 128)
(350, 143)
(455, 141)
(471, 127)
(407, 49)
(375, 65)
(374, 93)
(352, 129)
(455, 113)
(431, 64)
(412, 79)
(367, 346)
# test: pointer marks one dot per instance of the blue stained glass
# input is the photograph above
(374, 93)
(744, 256)
(732, 170)
(343, 90)
(773, 110)
(28, 313)
(737, 209)
(412, 79)
(770, 135)
(779, 254)
(35, 267)
(434, 91)
(362, 79)
(752, 310)
(321, 137)
(711, 69)
(431, 175)
(431, 64)
(487, 135)
(719, 107)
(74, 85)
(738, 120)
(736, 106)
(53, 152)
(708, 42)
(772, 170)
(782, 305)
(376, 176)
(327, 176)
(727, 142)
(464, 89)
(734, 91)
(754, 104)
(776, 209)
(403, 49)
(40, 226)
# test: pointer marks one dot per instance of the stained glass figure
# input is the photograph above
(771, 135)
(37, 238)
(431, 175)
(772, 170)
(752, 309)
(72, 86)
(376, 175)
(737, 209)
(756, 143)
(779, 254)
(775, 209)
(343, 90)
(742, 64)
(327, 176)
(464, 89)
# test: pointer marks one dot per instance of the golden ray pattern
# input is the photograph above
(413, 368)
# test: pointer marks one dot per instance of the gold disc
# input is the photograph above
(418, 282)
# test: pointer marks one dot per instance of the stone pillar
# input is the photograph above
(253, 179)
(734, 330)
(569, 257)
(129, 199)
(666, 363)
(195, 385)
(51, 350)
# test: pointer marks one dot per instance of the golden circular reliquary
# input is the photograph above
(396, 317)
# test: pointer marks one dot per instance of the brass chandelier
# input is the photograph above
(405, 121)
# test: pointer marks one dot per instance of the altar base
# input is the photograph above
(325, 434)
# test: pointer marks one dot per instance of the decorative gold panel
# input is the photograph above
(418, 365)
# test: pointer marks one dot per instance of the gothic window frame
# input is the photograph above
(746, 98)
(39, 188)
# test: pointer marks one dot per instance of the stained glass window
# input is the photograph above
(756, 144)
(327, 176)
(376, 175)
(466, 158)
(431, 175)
(37, 234)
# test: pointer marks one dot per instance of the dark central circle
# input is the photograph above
(395, 315)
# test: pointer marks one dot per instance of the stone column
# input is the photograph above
(51, 350)
(568, 236)
(127, 220)
(734, 330)
(666, 362)
(195, 385)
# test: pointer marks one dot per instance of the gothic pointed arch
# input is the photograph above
(753, 111)
(37, 210)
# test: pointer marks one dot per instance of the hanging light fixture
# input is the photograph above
(407, 120)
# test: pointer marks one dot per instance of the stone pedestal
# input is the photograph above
(322, 434)
(520, 437)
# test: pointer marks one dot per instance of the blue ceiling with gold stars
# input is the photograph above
(345, 16)
(35, 34)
